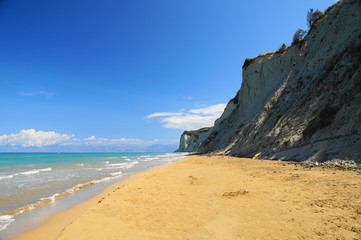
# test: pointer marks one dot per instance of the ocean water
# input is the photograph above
(29, 181)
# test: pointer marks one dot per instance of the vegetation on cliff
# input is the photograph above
(196, 133)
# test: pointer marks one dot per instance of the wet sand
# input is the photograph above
(202, 197)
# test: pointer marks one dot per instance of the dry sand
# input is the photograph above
(203, 197)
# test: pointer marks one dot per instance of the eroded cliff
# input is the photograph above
(300, 103)
(190, 141)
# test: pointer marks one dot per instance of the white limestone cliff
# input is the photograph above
(297, 102)
(190, 140)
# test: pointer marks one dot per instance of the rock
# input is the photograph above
(320, 156)
(190, 140)
(294, 103)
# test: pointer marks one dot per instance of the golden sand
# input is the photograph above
(203, 197)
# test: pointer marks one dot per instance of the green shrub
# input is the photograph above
(285, 123)
(274, 99)
(282, 48)
(198, 132)
(313, 16)
(268, 107)
(286, 140)
(247, 62)
(298, 36)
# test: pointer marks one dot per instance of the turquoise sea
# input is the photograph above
(29, 181)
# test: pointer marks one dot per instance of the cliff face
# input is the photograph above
(191, 140)
(301, 103)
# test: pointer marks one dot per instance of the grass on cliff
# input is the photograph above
(196, 133)
(248, 61)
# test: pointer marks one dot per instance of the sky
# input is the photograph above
(128, 75)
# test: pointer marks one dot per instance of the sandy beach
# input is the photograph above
(202, 197)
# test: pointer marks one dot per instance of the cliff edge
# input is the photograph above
(190, 141)
(298, 103)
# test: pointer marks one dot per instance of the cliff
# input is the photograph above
(300, 103)
(191, 140)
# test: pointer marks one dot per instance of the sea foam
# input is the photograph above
(5, 220)
(30, 172)
(35, 171)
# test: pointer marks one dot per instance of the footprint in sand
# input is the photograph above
(235, 194)
(194, 180)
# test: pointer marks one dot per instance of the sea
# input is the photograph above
(36, 185)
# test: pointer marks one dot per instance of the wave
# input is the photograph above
(30, 172)
(149, 159)
(131, 164)
(116, 164)
(117, 173)
(5, 220)
(7, 176)
(122, 165)
(167, 156)
(35, 171)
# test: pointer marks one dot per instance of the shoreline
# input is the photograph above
(58, 221)
(39, 215)
(34, 214)
(55, 223)
(200, 197)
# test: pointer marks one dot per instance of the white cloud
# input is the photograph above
(91, 138)
(164, 114)
(52, 141)
(33, 138)
(189, 121)
(192, 119)
(211, 110)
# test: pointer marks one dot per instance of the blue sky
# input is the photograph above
(89, 74)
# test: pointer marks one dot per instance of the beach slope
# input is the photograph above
(202, 197)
